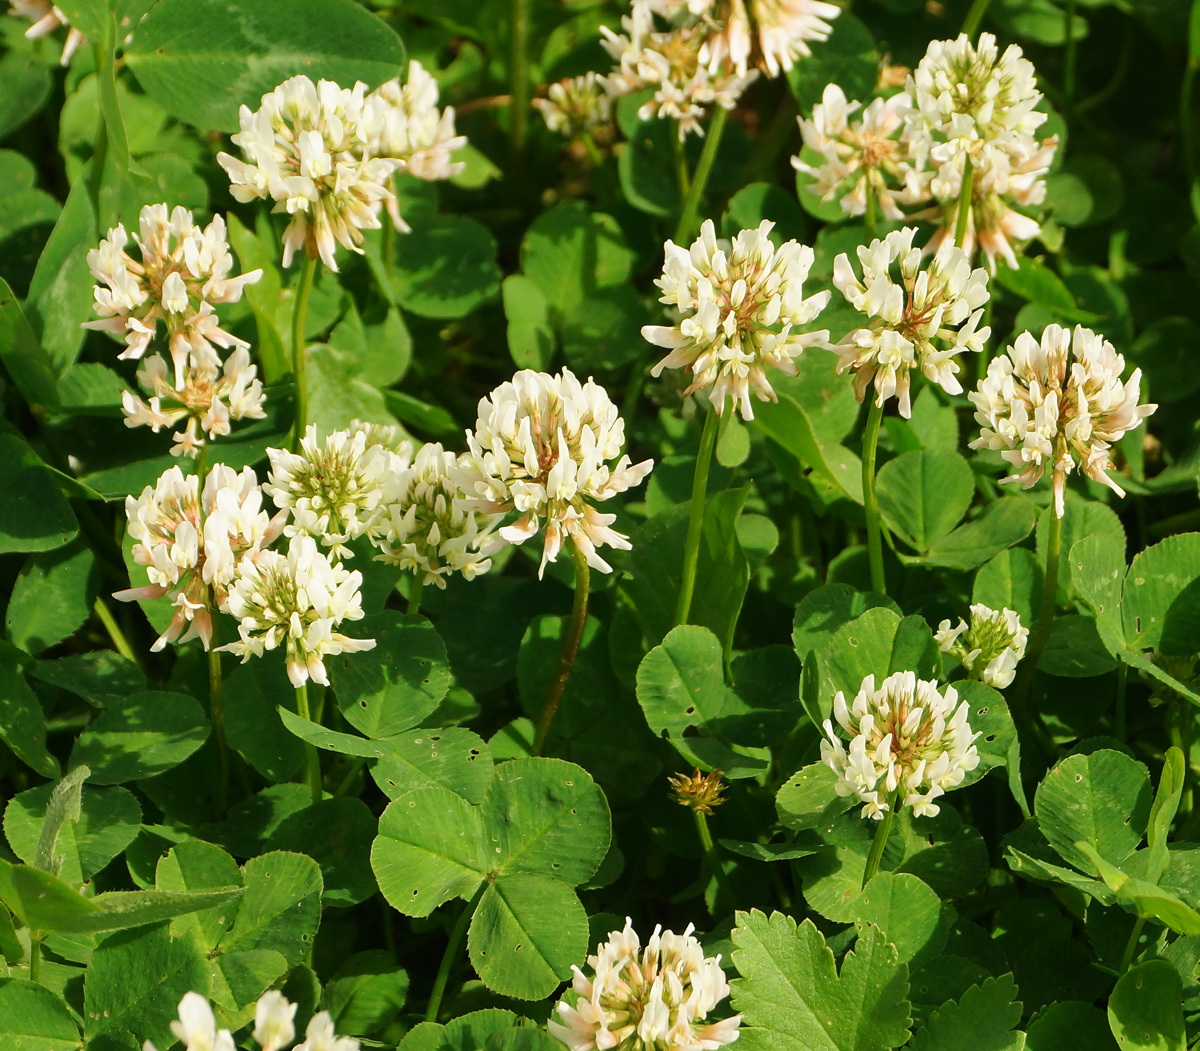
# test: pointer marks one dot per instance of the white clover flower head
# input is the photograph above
(740, 304)
(191, 543)
(860, 157)
(652, 999)
(197, 1026)
(307, 148)
(674, 65)
(274, 1021)
(388, 435)
(333, 489)
(1058, 403)
(295, 600)
(908, 744)
(543, 446)
(426, 527)
(574, 106)
(404, 125)
(208, 400)
(923, 321)
(990, 647)
(47, 17)
(180, 272)
(769, 34)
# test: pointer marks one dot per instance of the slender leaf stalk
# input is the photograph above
(870, 503)
(1131, 945)
(691, 205)
(1046, 614)
(120, 643)
(570, 648)
(299, 316)
(691, 546)
(975, 17)
(312, 764)
(712, 860)
(451, 954)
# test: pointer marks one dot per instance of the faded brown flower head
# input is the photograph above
(700, 793)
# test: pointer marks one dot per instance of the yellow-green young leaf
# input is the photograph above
(907, 912)
(983, 1019)
(1102, 798)
(792, 997)
(1145, 1009)
(526, 933)
(32, 1018)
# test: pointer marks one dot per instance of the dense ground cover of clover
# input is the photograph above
(634, 524)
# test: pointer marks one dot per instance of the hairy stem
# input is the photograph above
(570, 648)
(299, 315)
(451, 953)
(312, 764)
(870, 504)
(691, 204)
(691, 546)
(882, 831)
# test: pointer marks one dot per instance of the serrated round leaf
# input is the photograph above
(1160, 605)
(32, 1018)
(391, 688)
(450, 757)
(109, 820)
(545, 816)
(1145, 1010)
(908, 913)
(1103, 799)
(446, 267)
(429, 850)
(923, 494)
(141, 736)
(526, 933)
(983, 1018)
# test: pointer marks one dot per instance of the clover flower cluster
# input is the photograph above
(1058, 403)
(990, 647)
(576, 106)
(923, 321)
(47, 17)
(426, 527)
(657, 997)
(674, 64)
(274, 1027)
(193, 543)
(740, 304)
(544, 446)
(908, 744)
(179, 272)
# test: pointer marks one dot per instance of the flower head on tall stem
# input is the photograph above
(905, 737)
(307, 148)
(179, 272)
(990, 647)
(543, 446)
(740, 304)
(861, 158)
(674, 65)
(296, 601)
(920, 322)
(47, 17)
(425, 527)
(657, 997)
(192, 543)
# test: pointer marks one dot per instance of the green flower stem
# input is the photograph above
(870, 504)
(680, 157)
(519, 73)
(691, 205)
(312, 760)
(35, 957)
(216, 710)
(711, 860)
(299, 315)
(975, 17)
(451, 953)
(964, 202)
(120, 643)
(569, 650)
(388, 247)
(882, 831)
(1046, 615)
(869, 217)
(1131, 945)
(593, 151)
(414, 595)
(352, 772)
(691, 547)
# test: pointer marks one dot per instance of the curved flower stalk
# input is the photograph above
(658, 997)
(576, 106)
(405, 125)
(923, 321)
(863, 159)
(740, 304)
(193, 543)
(208, 400)
(543, 446)
(274, 1027)
(424, 527)
(333, 490)
(1058, 403)
(46, 18)
(674, 64)
(295, 601)
(990, 647)
(307, 148)
(908, 744)
(180, 273)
